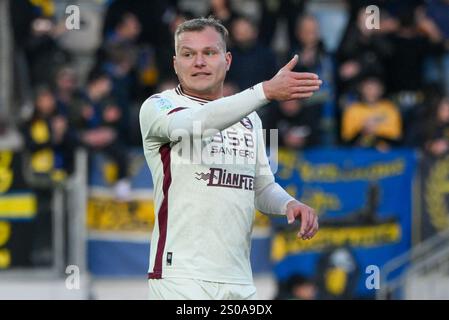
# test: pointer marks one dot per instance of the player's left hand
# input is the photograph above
(309, 220)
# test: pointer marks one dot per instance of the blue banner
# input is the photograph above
(364, 202)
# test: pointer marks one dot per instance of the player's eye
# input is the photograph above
(210, 53)
(187, 54)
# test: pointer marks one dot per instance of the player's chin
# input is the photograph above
(202, 86)
(202, 81)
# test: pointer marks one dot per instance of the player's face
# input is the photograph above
(201, 63)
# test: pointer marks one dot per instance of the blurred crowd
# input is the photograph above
(383, 87)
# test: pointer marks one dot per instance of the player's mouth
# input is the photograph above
(201, 74)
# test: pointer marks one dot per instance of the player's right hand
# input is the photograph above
(309, 220)
(289, 85)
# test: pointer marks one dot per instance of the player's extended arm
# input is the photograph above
(274, 199)
(271, 198)
(224, 112)
(218, 114)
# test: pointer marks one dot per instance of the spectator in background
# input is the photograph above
(127, 30)
(272, 11)
(122, 38)
(409, 49)
(302, 288)
(362, 50)
(154, 17)
(297, 287)
(372, 121)
(252, 61)
(48, 139)
(22, 15)
(43, 53)
(119, 66)
(414, 133)
(66, 89)
(49, 143)
(405, 77)
(129, 64)
(437, 129)
(314, 58)
(298, 124)
(124, 34)
(98, 120)
(436, 25)
(338, 273)
(223, 11)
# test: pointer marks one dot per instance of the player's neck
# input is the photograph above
(213, 95)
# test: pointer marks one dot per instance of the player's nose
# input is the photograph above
(199, 60)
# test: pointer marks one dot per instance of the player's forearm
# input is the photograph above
(219, 114)
(272, 199)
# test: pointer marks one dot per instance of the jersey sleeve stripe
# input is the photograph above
(176, 110)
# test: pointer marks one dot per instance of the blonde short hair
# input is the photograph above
(199, 24)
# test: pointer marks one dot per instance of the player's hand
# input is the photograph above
(289, 85)
(309, 220)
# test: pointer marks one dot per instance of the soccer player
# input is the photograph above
(210, 171)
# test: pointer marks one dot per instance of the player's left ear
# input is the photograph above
(228, 58)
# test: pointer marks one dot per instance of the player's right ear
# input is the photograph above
(174, 64)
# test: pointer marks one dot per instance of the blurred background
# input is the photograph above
(369, 151)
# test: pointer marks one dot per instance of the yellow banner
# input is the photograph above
(18, 206)
(5, 235)
(107, 214)
(286, 242)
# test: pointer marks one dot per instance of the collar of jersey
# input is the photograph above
(181, 92)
